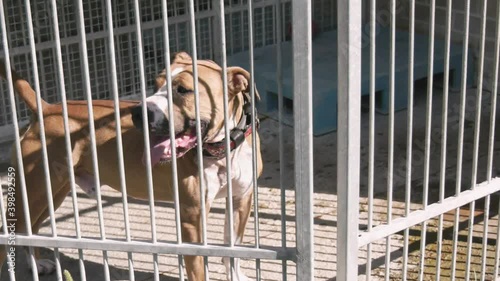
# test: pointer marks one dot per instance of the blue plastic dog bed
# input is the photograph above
(325, 73)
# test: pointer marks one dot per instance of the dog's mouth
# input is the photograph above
(161, 148)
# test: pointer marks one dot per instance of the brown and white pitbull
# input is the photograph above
(212, 123)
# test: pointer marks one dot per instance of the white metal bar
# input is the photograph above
(199, 149)
(460, 136)
(491, 144)
(302, 87)
(348, 134)
(244, 252)
(119, 142)
(428, 127)
(409, 138)
(254, 136)
(227, 137)
(281, 117)
(263, 19)
(231, 27)
(390, 160)
(88, 91)
(494, 91)
(175, 182)
(40, 117)
(485, 237)
(444, 132)
(475, 154)
(496, 269)
(142, 79)
(226, 117)
(371, 133)
(10, 188)
(62, 88)
(433, 210)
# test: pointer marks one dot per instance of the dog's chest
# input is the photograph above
(215, 173)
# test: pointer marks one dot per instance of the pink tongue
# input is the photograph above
(158, 150)
(161, 149)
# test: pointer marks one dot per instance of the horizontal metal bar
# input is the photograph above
(481, 190)
(217, 250)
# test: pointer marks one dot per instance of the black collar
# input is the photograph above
(237, 135)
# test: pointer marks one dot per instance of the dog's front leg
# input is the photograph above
(191, 233)
(241, 212)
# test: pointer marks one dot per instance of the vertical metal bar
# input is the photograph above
(371, 134)
(231, 41)
(17, 139)
(281, 118)
(198, 133)
(390, 164)
(460, 136)
(131, 55)
(491, 143)
(497, 248)
(494, 90)
(88, 91)
(254, 136)
(142, 79)
(475, 154)
(175, 182)
(348, 135)
(227, 138)
(302, 85)
(491, 150)
(153, 32)
(263, 19)
(485, 237)
(10, 266)
(119, 143)
(444, 126)
(428, 127)
(409, 138)
(62, 88)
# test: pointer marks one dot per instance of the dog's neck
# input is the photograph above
(239, 127)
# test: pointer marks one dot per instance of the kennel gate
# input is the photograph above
(428, 215)
(302, 254)
(349, 244)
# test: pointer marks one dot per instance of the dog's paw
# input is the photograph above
(45, 266)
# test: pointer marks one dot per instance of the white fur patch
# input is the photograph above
(176, 71)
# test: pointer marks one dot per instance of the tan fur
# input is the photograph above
(210, 87)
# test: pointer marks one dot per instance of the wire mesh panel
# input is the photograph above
(430, 216)
(123, 20)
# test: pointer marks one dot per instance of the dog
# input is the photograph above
(212, 126)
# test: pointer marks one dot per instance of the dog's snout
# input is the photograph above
(136, 113)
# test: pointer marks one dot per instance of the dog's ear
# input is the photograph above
(238, 80)
(160, 79)
(180, 56)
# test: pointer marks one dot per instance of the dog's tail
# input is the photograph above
(23, 88)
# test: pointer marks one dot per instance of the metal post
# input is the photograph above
(348, 134)
(302, 85)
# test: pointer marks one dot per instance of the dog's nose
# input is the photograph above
(137, 116)
(136, 113)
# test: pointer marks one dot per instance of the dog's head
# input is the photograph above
(210, 89)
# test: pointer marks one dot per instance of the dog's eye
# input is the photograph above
(181, 90)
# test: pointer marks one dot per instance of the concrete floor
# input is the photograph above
(325, 203)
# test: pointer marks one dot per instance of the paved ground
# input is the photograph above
(325, 206)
